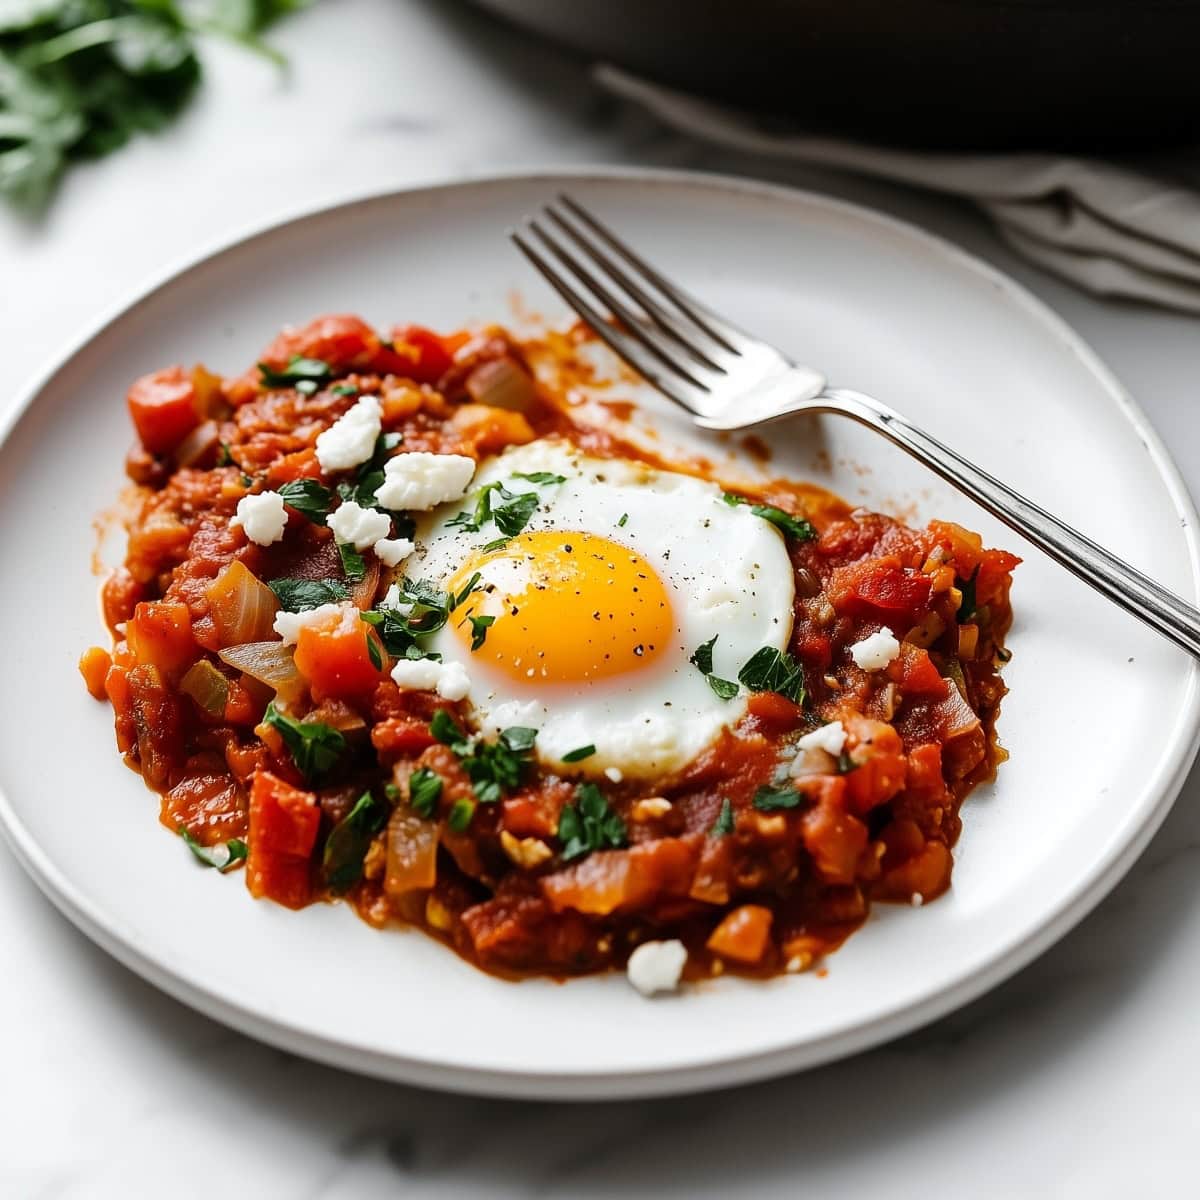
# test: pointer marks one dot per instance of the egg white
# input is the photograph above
(726, 571)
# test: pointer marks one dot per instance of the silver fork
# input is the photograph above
(729, 380)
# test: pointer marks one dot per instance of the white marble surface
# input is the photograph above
(1074, 1079)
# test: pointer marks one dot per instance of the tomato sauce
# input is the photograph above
(760, 857)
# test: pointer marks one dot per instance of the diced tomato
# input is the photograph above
(300, 465)
(119, 596)
(814, 649)
(283, 831)
(534, 812)
(116, 688)
(925, 874)
(158, 722)
(417, 353)
(208, 803)
(163, 406)
(344, 342)
(993, 577)
(880, 588)
(774, 711)
(160, 635)
(834, 840)
(915, 673)
(743, 935)
(335, 658)
(612, 879)
(400, 737)
(925, 771)
(241, 706)
(94, 666)
(963, 547)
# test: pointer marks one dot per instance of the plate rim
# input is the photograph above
(732, 1069)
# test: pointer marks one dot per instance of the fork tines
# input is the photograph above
(682, 347)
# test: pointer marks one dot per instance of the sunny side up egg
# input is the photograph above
(620, 574)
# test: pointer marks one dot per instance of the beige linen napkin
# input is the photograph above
(1128, 228)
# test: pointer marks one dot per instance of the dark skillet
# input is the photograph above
(1013, 73)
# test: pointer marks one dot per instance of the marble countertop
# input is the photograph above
(1059, 1083)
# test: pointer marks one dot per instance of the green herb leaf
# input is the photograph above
(459, 817)
(510, 516)
(479, 628)
(498, 544)
(424, 791)
(348, 841)
(470, 586)
(493, 767)
(301, 595)
(579, 754)
(316, 748)
(374, 653)
(621, 522)
(308, 497)
(344, 389)
(589, 824)
(794, 527)
(298, 370)
(702, 659)
(353, 563)
(967, 609)
(723, 825)
(768, 799)
(540, 476)
(222, 856)
(771, 670)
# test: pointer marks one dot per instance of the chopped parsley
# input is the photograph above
(702, 660)
(540, 477)
(967, 609)
(225, 456)
(498, 544)
(768, 799)
(510, 515)
(794, 527)
(579, 754)
(353, 563)
(346, 846)
(426, 610)
(300, 595)
(724, 823)
(493, 767)
(315, 747)
(424, 791)
(459, 817)
(370, 475)
(469, 587)
(222, 857)
(589, 824)
(308, 497)
(623, 520)
(479, 628)
(298, 371)
(771, 670)
(374, 653)
(344, 389)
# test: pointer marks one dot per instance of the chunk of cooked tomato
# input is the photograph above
(283, 831)
(416, 353)
(880, 588)
(160, 635)
(164, 408)
(743, 935)
(336, 657)
(915, 673)
(341, 341)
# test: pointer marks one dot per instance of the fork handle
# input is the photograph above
(1124, 585)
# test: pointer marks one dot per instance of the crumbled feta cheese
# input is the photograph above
(358, 526)
(449, 680)
(656, 966)
(393, 551)
(420, 481)
(263, 517)
(874, 653)
(613, 774)
(289, 624)
(830, 738)
(350, 440)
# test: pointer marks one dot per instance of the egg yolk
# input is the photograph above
(565, 608)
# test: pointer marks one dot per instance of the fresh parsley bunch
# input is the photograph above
(78, 78)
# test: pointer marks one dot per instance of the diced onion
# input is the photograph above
(501, 383)
(207, 686)
(412, 844)
(197, 443)
(270, 663)
(242, 607)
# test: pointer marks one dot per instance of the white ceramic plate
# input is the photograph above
(1101, 721)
